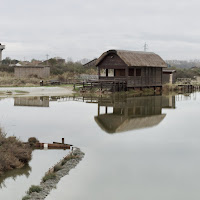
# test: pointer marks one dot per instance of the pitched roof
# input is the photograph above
(112, 123)
(136, 58)
(90, 63)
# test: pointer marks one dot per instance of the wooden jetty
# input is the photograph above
(113, 85)
(55, 145)
(186, 85)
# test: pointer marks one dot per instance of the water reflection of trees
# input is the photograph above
(24, 171)
(122, 113)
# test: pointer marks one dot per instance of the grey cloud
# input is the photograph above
(81, 29)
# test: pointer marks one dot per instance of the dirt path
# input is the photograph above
(35, 91)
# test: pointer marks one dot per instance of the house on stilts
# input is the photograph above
(135, 69)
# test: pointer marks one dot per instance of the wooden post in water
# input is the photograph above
(63, 140)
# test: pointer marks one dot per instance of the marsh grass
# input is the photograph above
(57, 168)
(8, 79)
(48, 177)
(26, 197)
(34, 188)
(13, 153)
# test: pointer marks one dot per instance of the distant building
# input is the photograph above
(169, 76)
(14, 65)
(28, 71)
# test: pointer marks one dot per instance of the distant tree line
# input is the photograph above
(9, 61)
(183, 63)
(56, 67)
(70, 66)
(186, 73)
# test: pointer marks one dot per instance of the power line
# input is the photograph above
(47, 56)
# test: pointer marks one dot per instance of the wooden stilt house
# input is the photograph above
(136, 69)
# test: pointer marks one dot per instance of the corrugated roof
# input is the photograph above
(169, 70)
(136, 58)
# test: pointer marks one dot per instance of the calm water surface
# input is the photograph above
(135, 148)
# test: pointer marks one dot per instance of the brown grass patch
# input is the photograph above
(13, 153)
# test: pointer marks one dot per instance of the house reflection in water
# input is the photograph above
(32, 101)
(129, 113)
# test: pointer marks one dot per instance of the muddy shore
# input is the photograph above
(35, 91)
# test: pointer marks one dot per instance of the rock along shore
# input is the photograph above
(50, 184)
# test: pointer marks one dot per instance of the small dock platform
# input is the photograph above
(113, 85)
(54, 145)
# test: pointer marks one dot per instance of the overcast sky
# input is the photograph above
(86, 28)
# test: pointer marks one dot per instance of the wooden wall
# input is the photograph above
(150, 76)
(26, 72)
(166, 77)
(112, 61)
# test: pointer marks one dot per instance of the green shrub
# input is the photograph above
(49, 176)
(25, 198)
(32, 141)
(34, 188)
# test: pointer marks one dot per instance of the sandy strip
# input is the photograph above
(35, 91)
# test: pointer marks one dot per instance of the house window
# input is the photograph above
(131, 72)
(138, 72)
(119, 72)
(103, 72)
(110, 72)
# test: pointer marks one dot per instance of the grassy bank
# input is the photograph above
(8, 80)
(13, 153)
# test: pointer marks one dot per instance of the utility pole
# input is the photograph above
(145, 47)
(2, 47)
(47, 59)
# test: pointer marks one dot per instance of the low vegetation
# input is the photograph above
(13, 153)
(70, 67)
(32, 141)
(57, 168)
(8, 79)
(48, 177)
(59, 71)
(26, 197)
(34, 188)
(186, 73)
